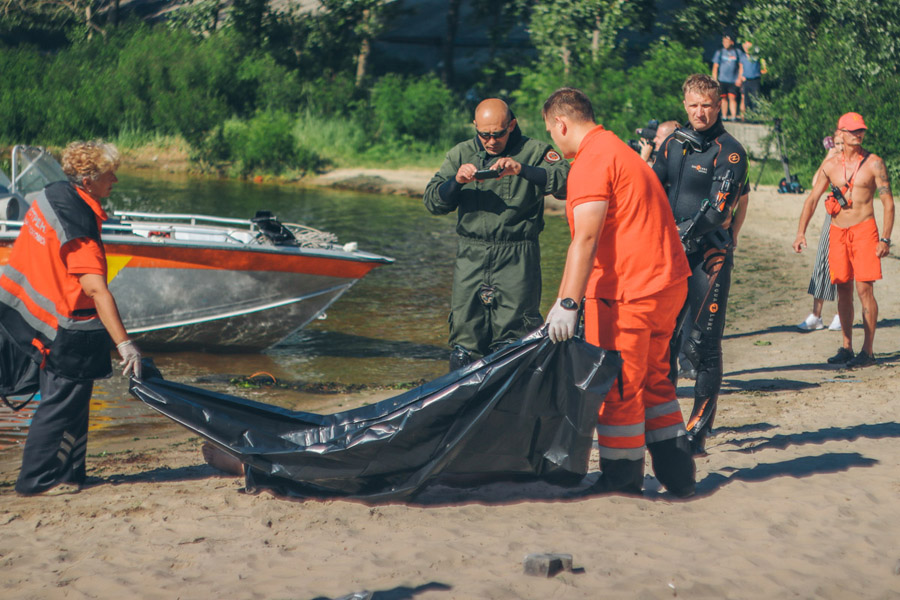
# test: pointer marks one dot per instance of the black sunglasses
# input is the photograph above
(492, 134)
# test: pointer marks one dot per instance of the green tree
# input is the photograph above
(201, 17)
(698, 21)
(828, 57)
(83, 12)
(578, 32)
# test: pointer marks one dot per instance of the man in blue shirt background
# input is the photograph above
(751, 72)
(726, 70)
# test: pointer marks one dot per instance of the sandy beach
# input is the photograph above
(799, 496)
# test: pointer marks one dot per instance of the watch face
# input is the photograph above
(568, 304)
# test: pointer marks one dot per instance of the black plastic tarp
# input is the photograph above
(529, 409)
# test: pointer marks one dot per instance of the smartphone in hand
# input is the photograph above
(487, 174)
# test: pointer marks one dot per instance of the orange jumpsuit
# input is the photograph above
(636, 288)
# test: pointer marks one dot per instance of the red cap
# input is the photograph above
(851, 121)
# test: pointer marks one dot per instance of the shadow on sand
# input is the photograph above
(793, 329)
(873, 431)
(805, 466)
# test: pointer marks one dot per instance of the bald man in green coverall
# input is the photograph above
(497, 279)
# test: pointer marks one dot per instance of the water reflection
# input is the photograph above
(390, 328)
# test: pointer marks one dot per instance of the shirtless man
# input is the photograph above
(855, 250)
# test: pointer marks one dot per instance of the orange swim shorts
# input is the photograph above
(851, 252)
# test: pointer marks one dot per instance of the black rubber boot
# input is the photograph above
(459, 358)
(673, 465)
(701, 427)
(620, 476)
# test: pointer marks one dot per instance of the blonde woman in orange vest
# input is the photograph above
(55, 307)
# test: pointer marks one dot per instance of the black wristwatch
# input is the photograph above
(568, 304)
(886, 241)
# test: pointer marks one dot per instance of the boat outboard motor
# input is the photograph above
(273, 230)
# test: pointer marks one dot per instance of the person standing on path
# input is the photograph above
(749, 78)
(726, 65)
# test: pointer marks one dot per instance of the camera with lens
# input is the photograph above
(647, 133)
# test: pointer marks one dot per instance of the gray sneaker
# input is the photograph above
(863, 359)
(843, 356)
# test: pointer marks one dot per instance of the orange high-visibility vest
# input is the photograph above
(42, 307)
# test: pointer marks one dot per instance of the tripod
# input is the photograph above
(790, 184)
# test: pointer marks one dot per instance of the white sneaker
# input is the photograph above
(835, 323)
(811, 323)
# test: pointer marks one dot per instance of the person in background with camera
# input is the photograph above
(855, 250)
(496, 183)
(726, 65)
(820, 286)
(649, 146)
(704, 172)
(55, 307)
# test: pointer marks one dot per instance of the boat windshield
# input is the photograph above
(5, 184)
(33, 169)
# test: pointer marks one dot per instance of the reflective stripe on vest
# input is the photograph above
(50, 217)
(41, 315)
(39, 311)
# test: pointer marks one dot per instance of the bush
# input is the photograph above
(413, 108)
(623, 99)
(264, 143)
(140, 79)
(330, 94)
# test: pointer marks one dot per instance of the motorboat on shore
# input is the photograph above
(196, 282)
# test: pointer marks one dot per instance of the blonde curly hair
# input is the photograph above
(89, 159)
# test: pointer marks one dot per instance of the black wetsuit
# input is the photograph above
(692, 173)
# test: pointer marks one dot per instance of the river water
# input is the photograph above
(390, 329)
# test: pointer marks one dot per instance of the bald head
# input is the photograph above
(492, 109)
(665, 129)
(493, 117)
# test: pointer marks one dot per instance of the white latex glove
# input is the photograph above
(561, 323)
(131, 358)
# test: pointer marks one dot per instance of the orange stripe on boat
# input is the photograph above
(160, 257)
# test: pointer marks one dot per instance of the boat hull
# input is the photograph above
(176, 296)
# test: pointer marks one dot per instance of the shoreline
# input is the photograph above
(174, 159)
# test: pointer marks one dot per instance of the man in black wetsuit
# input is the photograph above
(704, 171)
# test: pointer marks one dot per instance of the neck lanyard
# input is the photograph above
(852, 177)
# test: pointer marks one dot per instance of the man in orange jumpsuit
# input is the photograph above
(626, 261)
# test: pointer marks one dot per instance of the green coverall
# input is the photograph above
(497, 279)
